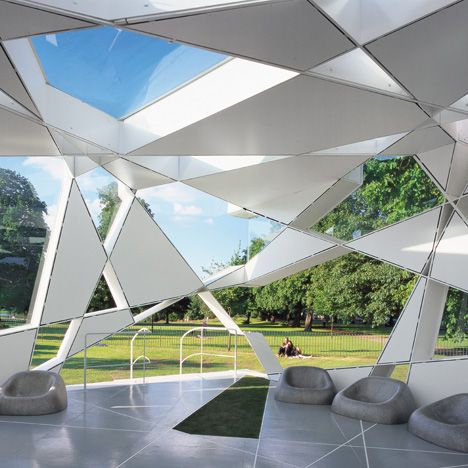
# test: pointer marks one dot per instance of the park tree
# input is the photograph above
(23, 232)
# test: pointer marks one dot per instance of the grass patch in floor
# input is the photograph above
(236, 412)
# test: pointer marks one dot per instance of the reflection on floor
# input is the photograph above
(131, 426)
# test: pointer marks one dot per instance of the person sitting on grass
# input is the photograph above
(294, 351)
(282, 348)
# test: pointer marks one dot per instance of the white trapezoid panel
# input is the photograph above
(20, 136)
(134, 175)
(16, 350)
(432, 381)
(148, 266)
(420, 141)
(226, 278)
(430, 56)
(18, 21)
(10, 83)
(293, 183)
(301, 115)
(165, 165)
(307, 37)
(288, 247)
(400, 343)
(78, 264)
(348, 375)
(97, 326)
(450, 262)
(407, 244)
(437, 162)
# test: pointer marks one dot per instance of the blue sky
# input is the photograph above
(118, 71)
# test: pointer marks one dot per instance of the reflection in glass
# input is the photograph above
(201, 229)
(394, 189)
(101, 194)
(48, 342)
(118, 71)
(29, 192)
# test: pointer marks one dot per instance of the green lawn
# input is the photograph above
(110, 359)
(236, 412)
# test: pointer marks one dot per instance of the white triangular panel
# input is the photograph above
(18, 21)
(301, 115)
(20, 136)
(370, 147)
(165, 165)
(437, 162)
(11, 84)
(79, 165)
(70, 145)
(226, 278)
(252, 33)
(293, 183)
(287, 248)
(400, 343)
(155, 270)
(407, 244)
(450, 262)
(78, 264)
(10, 103)
(134, 175)
(99, 325)
(357, 67)
(420, 141)
(16, 348)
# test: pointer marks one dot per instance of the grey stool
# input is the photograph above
(33, 393)
(443, 423)
(306, 385)
(376, 399)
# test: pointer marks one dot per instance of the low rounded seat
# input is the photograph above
(376, 399)
(444, 423)
(306, 385)
(33, 393)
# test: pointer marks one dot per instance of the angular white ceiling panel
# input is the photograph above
(368, 19)
(357, 67)
(165, 165)
(155, 270)
(307, 37)
(17, 21)
(407, 244)
(302, 115)
(420, 141)
(400, 343)
(134, 175)
(73, 146)
(78, 264)
(79, 165)
(369, 147)
(429, 57)
(21, 136)
(226, 278)
(288, 247)
(16, 348)
(437, 162)
(100, 325)
(293, 183)
(9, 103)
(450, 262)
(11, 83)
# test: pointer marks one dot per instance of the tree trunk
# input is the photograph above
(308, 321)
(167, 318)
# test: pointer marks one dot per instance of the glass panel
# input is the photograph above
(118, 71)
(29, 193)
(201, 229)
(394, 188)
(100, 192)
(48, 342)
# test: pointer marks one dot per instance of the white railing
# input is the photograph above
(143, 356)
(232, 331)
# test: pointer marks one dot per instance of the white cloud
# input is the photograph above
(49, 218)
(209, 221)
(171, 193)
(91, 180)
(94, 207)
(186, 210)
(55, 167)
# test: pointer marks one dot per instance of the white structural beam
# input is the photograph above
(217, 309)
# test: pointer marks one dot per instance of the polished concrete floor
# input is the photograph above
(131, 426)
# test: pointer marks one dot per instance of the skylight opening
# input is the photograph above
(118, 71)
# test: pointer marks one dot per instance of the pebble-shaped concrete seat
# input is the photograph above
(444, 423)
(33, 393)
(376, 399)
(307, 385)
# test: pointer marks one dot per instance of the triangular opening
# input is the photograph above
(102, 297)
(400, 372)
(48, 342)
(100, 191)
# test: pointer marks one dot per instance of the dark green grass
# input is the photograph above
(237, 412)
